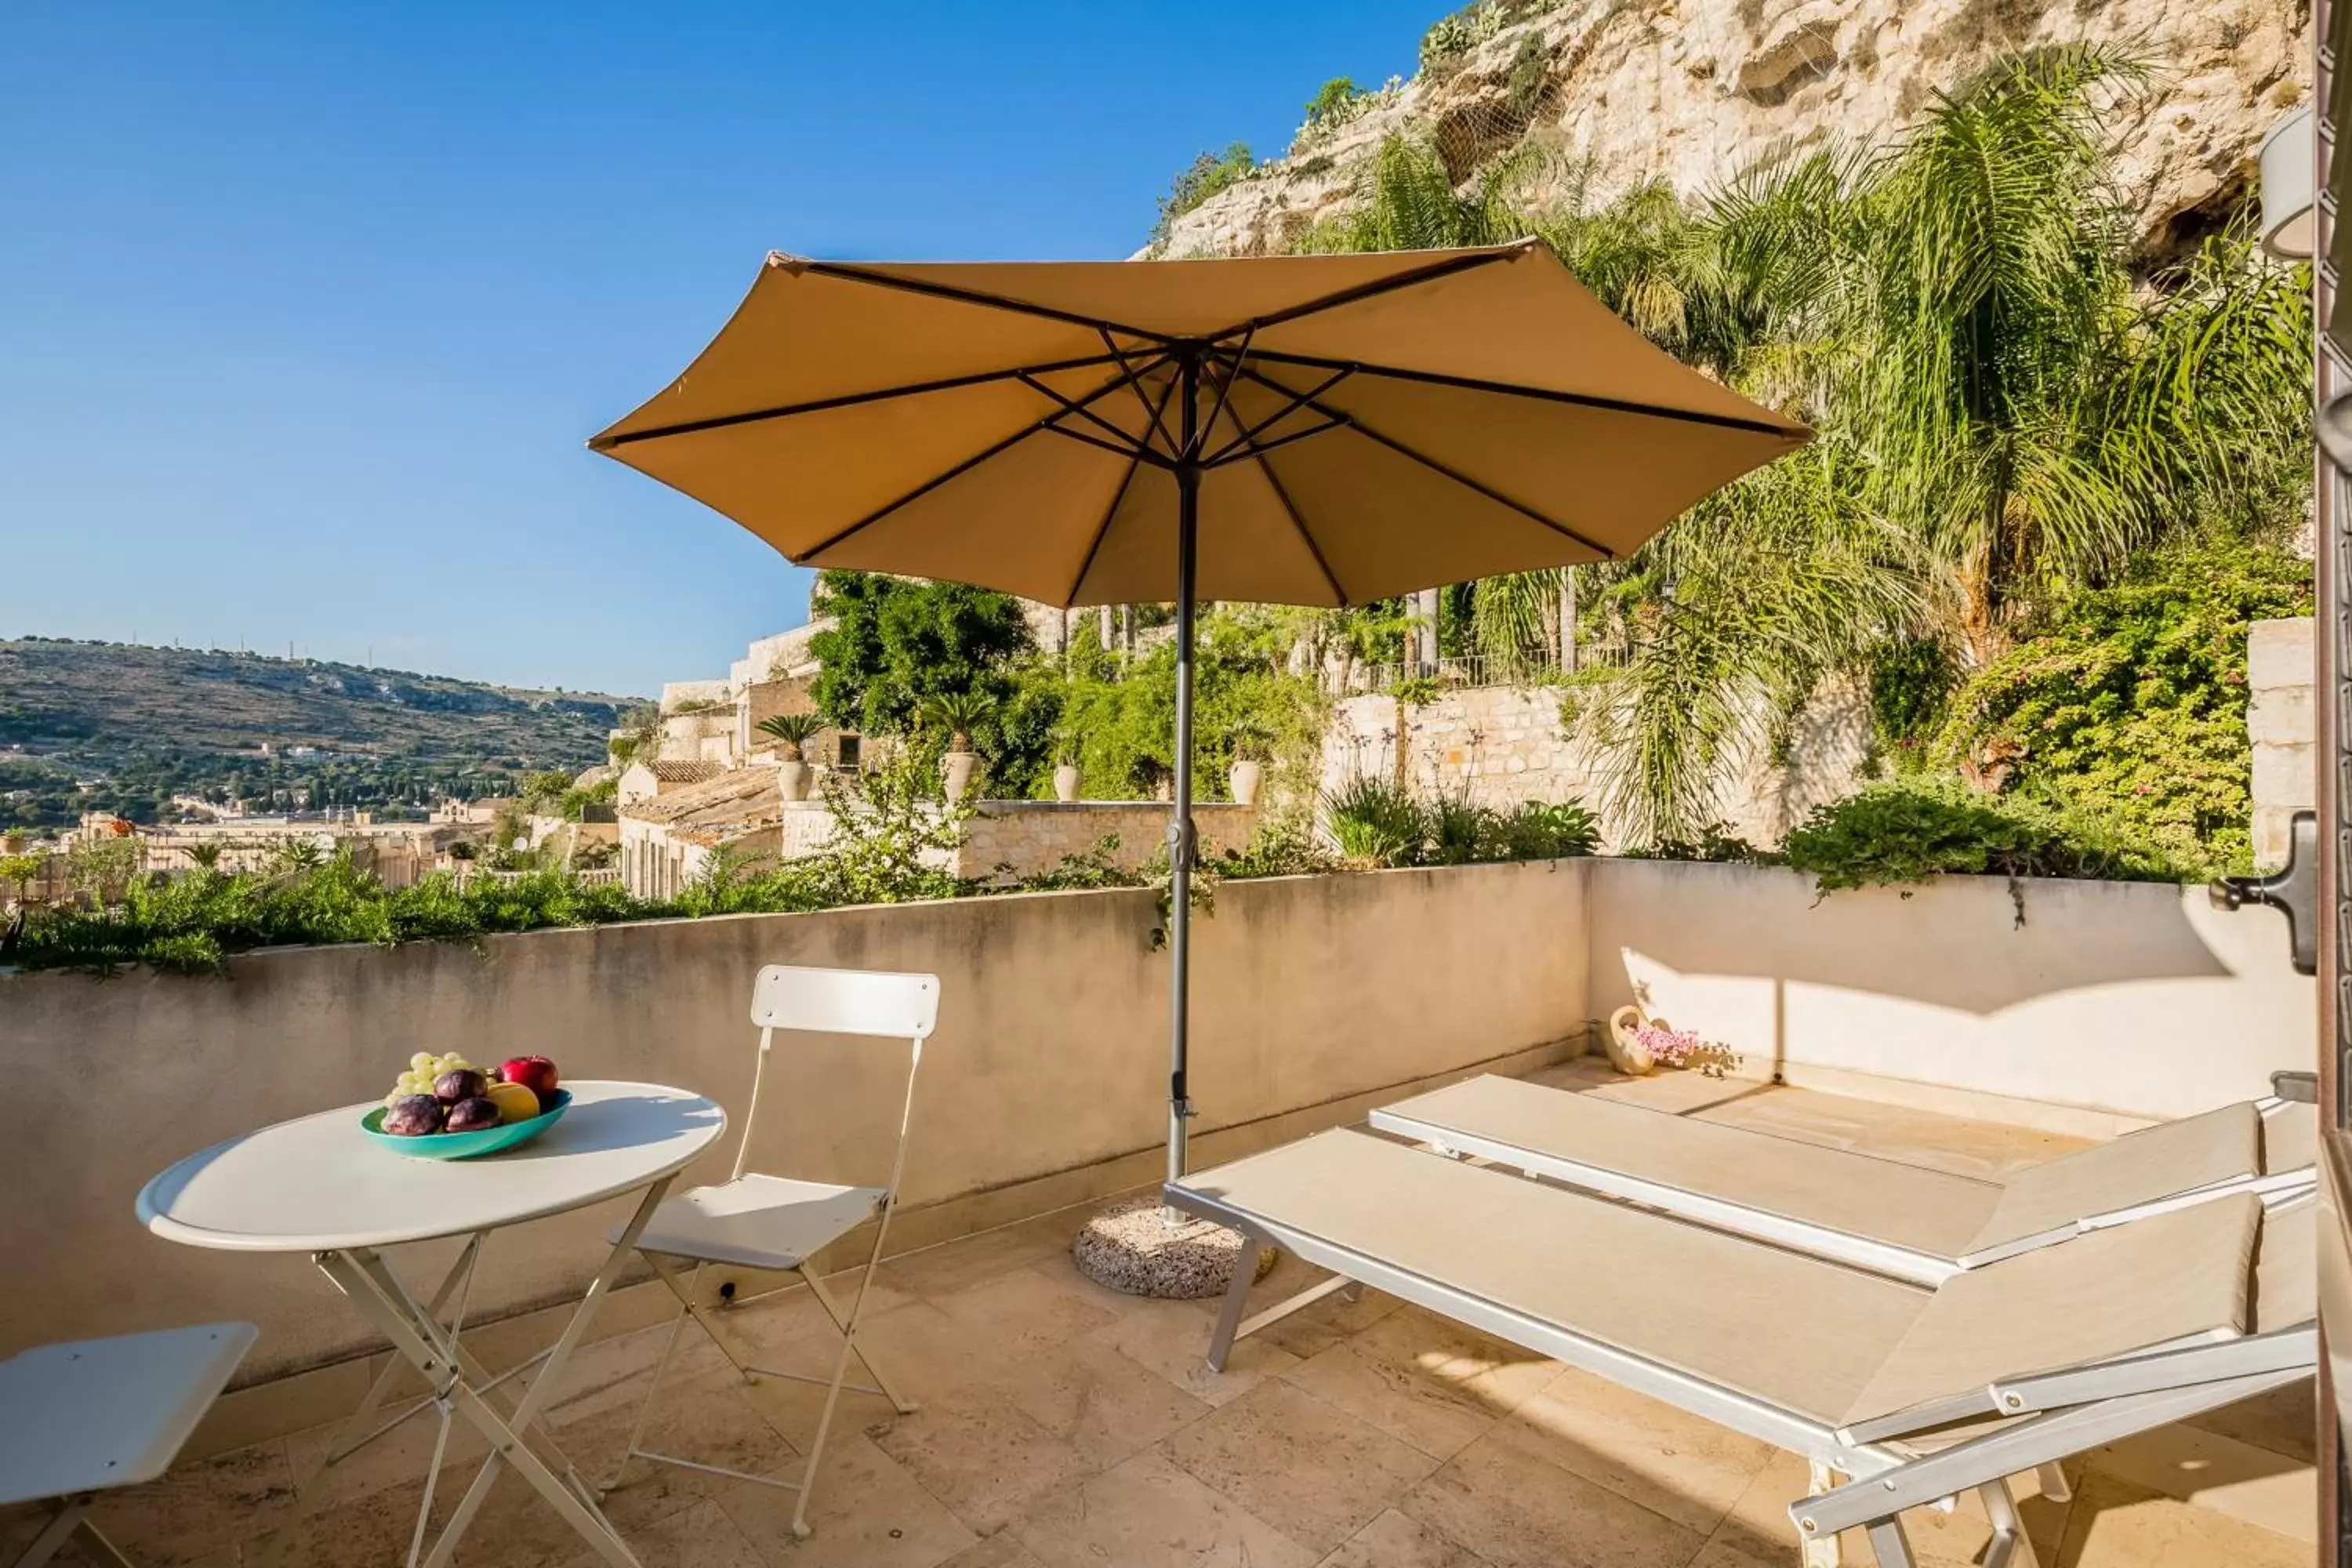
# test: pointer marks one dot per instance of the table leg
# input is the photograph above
(311, 1490)
(535, 1398)
(385, 1310)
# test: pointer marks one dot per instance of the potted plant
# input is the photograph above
(1066, 777)
(958, 713)
(1248, 739)
(791, 731)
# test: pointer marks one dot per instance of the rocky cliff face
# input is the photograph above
(1693, 91)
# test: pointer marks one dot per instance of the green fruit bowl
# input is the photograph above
(465, 1145)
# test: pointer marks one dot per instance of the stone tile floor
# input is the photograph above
(1063, 1425)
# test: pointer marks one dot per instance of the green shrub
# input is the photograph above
(2129, 704)
(1203, 177)
(1895, 834)
(1374, 823)
(1284, 847)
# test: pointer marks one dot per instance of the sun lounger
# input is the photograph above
(1913, 1393)
(1904, 1220)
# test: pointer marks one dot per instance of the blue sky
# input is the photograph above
(306, 310)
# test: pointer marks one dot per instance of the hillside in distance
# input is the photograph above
(123, 727)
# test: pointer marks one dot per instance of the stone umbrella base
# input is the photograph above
(1132, 1248)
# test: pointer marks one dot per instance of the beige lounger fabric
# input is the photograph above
(2101, 1295)
(1812, 1337)
(1930, 1212)
(2286, 1268)
(2139, 1167)
(1802, 1334)
(2290, 1139)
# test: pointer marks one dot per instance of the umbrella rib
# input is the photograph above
(1435, 466)
(1117, 499)
(1543, 394)
(936, 481)
(1298, 521)
(1135, 379)
(853, 274)
(1456, 262)
(1251, 433)
(1039, 388)
(848, 400)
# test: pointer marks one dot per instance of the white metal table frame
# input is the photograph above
(425, 1336)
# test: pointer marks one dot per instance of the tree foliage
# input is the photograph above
(898, 644)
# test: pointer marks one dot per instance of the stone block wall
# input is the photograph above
(2279, 667)
(1501, 745)
(1025, 837)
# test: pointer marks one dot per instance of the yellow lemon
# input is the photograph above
(515, 1101)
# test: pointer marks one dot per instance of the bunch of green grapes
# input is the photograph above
(423, 1068)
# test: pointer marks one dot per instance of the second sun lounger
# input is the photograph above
(1913, 1394)
(1905, 1220)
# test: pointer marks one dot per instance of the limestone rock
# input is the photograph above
(1692, 91)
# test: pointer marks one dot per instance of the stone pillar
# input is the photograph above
(2279, 722)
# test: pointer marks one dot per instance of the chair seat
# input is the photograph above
(109, 1413)
(759, 1222)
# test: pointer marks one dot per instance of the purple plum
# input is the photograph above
(472, 1115)
(459, 1084)
(413, 1116)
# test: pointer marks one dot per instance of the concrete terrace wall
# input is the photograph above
(1050, 1058)
(2085, 1006)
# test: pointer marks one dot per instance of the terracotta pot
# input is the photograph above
(956, 770)
(1626, 1053)
(793, 780)
(1244, 782)
(1065, 783)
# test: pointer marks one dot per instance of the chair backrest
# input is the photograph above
(846, 1002)
(877, 1004)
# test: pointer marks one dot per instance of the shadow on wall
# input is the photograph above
(2136, 999)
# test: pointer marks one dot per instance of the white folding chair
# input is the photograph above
(79, 1419)
(777, 1223)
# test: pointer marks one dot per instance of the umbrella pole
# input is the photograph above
(1179, 826)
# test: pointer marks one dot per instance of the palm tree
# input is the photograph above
(791, 731)
(959, 714)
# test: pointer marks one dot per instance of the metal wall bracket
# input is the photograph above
(2294, 892)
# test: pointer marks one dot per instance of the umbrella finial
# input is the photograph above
(788, 261)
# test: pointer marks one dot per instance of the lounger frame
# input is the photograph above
(1803, 1236)
(2053, 1415)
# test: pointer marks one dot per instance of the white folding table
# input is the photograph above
(318, 1185)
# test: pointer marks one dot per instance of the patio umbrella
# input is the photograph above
(1309, 430)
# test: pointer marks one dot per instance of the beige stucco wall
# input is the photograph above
(2135, 999)
(1050, 1057)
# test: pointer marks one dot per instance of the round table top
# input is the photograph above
(318, 1185)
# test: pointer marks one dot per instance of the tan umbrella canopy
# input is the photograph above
(1307, 430)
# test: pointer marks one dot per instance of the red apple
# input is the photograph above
(536, 1074)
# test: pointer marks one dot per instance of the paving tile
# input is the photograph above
(1437, 1415)
(792, 1318)
(1317, 1327)
(1502, 1375)
(974, 1259)
(982, 1456)
(1021, 1312)
(1000, 1551)
(1758, 1525)
(399, 1456)
(1171, 1338)
(700, 1537)
(1517, 1510)
(2114, 1524)
(867, 1512)
(1104, 1405)
(1284, 1455)
(707, 1416)
(2286, 1421)
(196, 1511)
(1689, 1469)
(1148, 1514)
(2221, 1473)
(1397, 1540)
